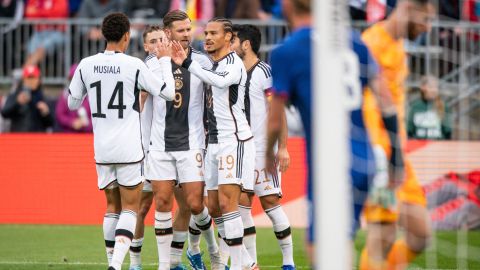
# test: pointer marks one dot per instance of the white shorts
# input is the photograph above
(265, 182)
(182, 166)
(230, 163)
(125, 175)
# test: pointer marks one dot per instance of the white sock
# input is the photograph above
(178, 241)
(123, 237)
(110, 221)
(234, 238)
(249, 233)
(164, 235)
(204, 223)
(281, 227)
(224, 250)
(193, 237)
(135, 252)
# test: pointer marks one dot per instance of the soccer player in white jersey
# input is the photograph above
(177, 145)
(152, 37)
(229, 162)
(246, 44)
(113, 81)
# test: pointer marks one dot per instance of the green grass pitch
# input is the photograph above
(25, 247)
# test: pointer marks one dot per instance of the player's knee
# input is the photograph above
(270, 201)
(196, 206)
(163, 204)
(419, 238)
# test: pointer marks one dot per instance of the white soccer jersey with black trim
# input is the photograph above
(178, 124)
(146, 122)
(225, 98)
(113, 82)
(259, 80)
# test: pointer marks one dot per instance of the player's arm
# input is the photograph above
(158, 79)
(76, 90)
(143, 98)
(275, 131)
(217, 79)
(390, 120)
(283, 157)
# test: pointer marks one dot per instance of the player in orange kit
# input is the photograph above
(385, 40)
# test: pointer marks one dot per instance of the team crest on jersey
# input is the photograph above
(178, 84)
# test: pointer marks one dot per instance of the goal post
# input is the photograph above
(330, 141)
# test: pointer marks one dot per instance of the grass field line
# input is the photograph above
(97, 263)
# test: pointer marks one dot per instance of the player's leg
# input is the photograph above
(130, 179)
(180, 230)
(110, 219)
(137, 243)
(161, 172)
(414, 219)
(108, 183)
(249, 233)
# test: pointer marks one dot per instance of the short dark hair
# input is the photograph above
(249, 32)
(227, 24)
(173, 16)
(114, 26)
(149, 29)
(302, 6)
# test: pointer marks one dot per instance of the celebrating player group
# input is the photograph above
(186, 125)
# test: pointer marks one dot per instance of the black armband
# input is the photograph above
(391, 124)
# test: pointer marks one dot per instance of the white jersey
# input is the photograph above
(259, 80)
(146, 121)
(178, 124)
(225, 99)
(113, 82)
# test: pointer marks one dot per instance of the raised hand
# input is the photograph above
(178, 53)
(164, 49)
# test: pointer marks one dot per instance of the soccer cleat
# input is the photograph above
(111, 268)
(135, 267)
(217, 263)
(196, 261)
(179, 267)
(288, 267)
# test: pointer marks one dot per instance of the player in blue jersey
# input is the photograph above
(294, 82)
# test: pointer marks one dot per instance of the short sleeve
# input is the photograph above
(281, 77)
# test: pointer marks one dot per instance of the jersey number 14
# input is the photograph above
(111, 106)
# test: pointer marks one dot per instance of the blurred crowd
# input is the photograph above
(375, 10)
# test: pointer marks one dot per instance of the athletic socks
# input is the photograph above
(234, 238)
(281, 227)
(178, 241)
(193, 237)
(135, 252)
(123, 237)
(164, 235)
(249, 233)
(223, 247)
(110, 221)
(204, 223)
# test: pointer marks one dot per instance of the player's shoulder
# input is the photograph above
(263, 69)
(201, 57)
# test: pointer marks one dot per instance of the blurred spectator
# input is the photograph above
(449, 9)
(94, 9)
(74, 7)
(73, 121)
(196, 9)
(429, 117)
(146, 9)
(240, 9)
(12, 9)
(4, 123)
(26, 107)
(46, 36)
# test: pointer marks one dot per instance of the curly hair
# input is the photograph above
(114, 26)
(249, 32)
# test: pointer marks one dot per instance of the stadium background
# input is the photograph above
(50, 178)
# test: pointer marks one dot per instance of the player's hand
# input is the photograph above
(270, 162)
(163, 49)
(283, 158)
(178, 53)
(43, 108)
(383, 197)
